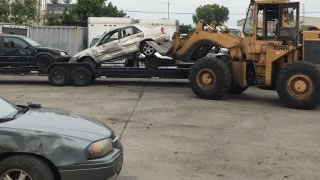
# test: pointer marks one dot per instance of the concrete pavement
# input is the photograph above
(169, 133)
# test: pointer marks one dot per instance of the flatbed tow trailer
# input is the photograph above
(82, 74)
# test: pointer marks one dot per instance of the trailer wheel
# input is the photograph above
(237, 89)
(298, 85)
(81, 77)
(151, 63)
(59, 76)
(210, 78)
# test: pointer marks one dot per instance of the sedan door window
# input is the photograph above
(128, 31)
(11, 42)
(114, 35)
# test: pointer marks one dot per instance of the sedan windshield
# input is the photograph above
(7, 110)
(31, 42)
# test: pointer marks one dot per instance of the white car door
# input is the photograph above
(131, 37)
(109, 47)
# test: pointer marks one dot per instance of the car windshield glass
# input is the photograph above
(94, 41)
(7, 110)
(31, 42)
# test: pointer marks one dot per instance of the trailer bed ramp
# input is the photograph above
(159, 48)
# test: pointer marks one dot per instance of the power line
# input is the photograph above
(157, 12)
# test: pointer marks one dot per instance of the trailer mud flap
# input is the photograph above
(157, 47)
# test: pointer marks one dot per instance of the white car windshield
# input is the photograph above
(7, 110)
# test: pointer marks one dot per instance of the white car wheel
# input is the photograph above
(148, 50)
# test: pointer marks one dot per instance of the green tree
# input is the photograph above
(94, 8)
(52, 20)
(4, 11)
(24, 12)
(211, 12)
(184, 29)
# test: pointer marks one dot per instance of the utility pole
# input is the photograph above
(304, 13)
(168, 9)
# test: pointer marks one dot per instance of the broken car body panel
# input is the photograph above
(120, 42)
(54, 134)
(60, 137)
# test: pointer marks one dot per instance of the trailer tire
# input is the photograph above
(59, 76)
(81, 77)
(298, 85)
(152, 63)
(210, 78)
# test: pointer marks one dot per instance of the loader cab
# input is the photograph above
(273, 21)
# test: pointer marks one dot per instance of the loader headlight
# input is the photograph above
(98, 149)
(62, 53)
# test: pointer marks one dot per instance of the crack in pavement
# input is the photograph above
(134, 109)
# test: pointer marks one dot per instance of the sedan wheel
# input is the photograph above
(23, 167)
(13, 174)
(147, 50)
(44, 62)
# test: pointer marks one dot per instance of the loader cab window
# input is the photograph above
(268, 18)
(248, 26)
(289, 29)
(277, 22)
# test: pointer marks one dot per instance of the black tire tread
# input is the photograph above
(43, 171)
(44, 55)
(61, 69)
(237, 89)
(296, 104)
(224, 88)
(73, 81)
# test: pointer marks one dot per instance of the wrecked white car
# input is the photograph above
(121, 42)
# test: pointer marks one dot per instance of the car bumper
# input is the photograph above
(107, 168)
(62, 58)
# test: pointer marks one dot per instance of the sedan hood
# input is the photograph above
(60, 122)
(50, 49)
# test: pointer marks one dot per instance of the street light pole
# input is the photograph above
(304, 13)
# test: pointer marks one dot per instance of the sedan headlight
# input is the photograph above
(98, 149)
(62, 53)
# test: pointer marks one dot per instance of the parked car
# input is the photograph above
(121, 42)
(48, 144)
(18, 50)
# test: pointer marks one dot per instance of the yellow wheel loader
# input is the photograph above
(265, 57)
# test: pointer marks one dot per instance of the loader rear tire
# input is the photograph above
(210, 78)
(298, 85)
(237, 89)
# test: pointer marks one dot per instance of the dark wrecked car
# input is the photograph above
(22, 51)
(47, 144)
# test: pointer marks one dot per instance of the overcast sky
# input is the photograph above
(237, 8)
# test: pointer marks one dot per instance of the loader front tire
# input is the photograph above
(237, 89)
(210, 78)
(298, 85)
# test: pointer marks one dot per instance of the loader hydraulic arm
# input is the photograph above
(182, 50)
